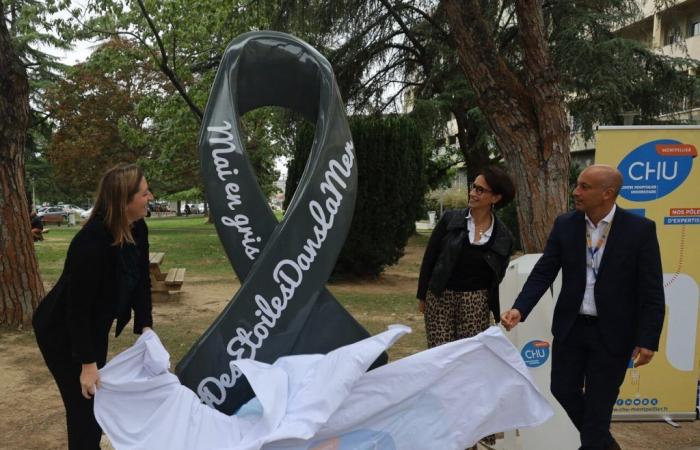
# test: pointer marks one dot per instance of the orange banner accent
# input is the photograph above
(684, 212)
(541, 344)
(676, 150)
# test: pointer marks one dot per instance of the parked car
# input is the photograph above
(195, 208)
(86, 214)
(72, 208)
(54, 214)
(158, 206)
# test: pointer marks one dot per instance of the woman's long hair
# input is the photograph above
(116, 189)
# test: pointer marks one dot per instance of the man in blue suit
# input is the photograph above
(611, 305)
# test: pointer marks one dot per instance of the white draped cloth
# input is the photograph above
(447, 397)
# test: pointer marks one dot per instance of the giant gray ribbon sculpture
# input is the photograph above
(282, 306)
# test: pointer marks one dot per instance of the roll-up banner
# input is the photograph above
(282, 307)
(661, 183)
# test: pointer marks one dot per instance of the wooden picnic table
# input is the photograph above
(163, 283)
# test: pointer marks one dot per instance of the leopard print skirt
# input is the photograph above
(456, 315)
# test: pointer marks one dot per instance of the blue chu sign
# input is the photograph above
(655, 169)
(535, 353)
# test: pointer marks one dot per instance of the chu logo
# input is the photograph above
(535, 353)
(655, 169)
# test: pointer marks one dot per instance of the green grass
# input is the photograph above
(188, 242)
(376, 311)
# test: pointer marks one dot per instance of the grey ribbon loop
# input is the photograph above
(282, 306)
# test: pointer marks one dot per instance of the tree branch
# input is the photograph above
(534, 47)
(163, 64)
(392, 98)
(443, 34)
(382, 72)
(406, 30)
(43, 119)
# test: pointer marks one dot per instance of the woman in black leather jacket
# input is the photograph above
(104, 278)
(464, 262)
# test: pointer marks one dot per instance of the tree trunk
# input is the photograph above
(20, 283)
(527, 116)
(474, 152)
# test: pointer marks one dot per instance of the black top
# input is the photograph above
(37, 222)
(471, 271)
(129, 277)
(100, 282)
(445, 249)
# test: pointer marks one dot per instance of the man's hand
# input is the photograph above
(510, 319)
(89, 380)
(421, 306)
(642, 356)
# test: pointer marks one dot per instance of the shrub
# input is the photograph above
(452, 198)
(391, 185)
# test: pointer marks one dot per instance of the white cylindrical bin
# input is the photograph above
(431, 218)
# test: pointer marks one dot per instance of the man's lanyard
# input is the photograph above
(593, 251)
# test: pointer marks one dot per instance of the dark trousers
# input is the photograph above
(586, 381)
(84, 433)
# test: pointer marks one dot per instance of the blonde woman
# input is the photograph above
(104, 278)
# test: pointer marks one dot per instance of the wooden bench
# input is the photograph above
(163, 283)
(55, 219)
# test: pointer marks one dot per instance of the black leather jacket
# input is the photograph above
(443, 250)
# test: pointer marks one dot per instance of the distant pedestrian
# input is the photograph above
(37, 226)
(188, 210)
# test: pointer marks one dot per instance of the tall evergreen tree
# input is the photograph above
(21, 287)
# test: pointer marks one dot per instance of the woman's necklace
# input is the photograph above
(480, 229)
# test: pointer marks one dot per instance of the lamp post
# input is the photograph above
(33, 193)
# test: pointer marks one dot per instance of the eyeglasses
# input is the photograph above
(479, 189)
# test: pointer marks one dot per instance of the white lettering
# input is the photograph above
(666, 176)
(241, 223)
(222, 136)
(632, 167)
(288, 273)
(233, 198)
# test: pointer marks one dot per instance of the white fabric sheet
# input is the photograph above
(447, 397)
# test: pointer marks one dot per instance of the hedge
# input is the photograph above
(391, 159)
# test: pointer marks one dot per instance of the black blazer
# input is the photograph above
(443, 250)
(629, 293)
(73, 321)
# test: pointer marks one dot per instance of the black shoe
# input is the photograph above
(614, 445)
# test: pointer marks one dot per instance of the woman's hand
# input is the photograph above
(89, 380)
(421, 306)
(144, 329)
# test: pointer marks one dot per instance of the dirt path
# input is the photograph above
(31, 411)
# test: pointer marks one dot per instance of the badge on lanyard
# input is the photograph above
(593, 251)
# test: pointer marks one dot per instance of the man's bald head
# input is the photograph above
(606, 176)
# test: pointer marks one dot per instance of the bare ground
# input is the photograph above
(32, 415)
